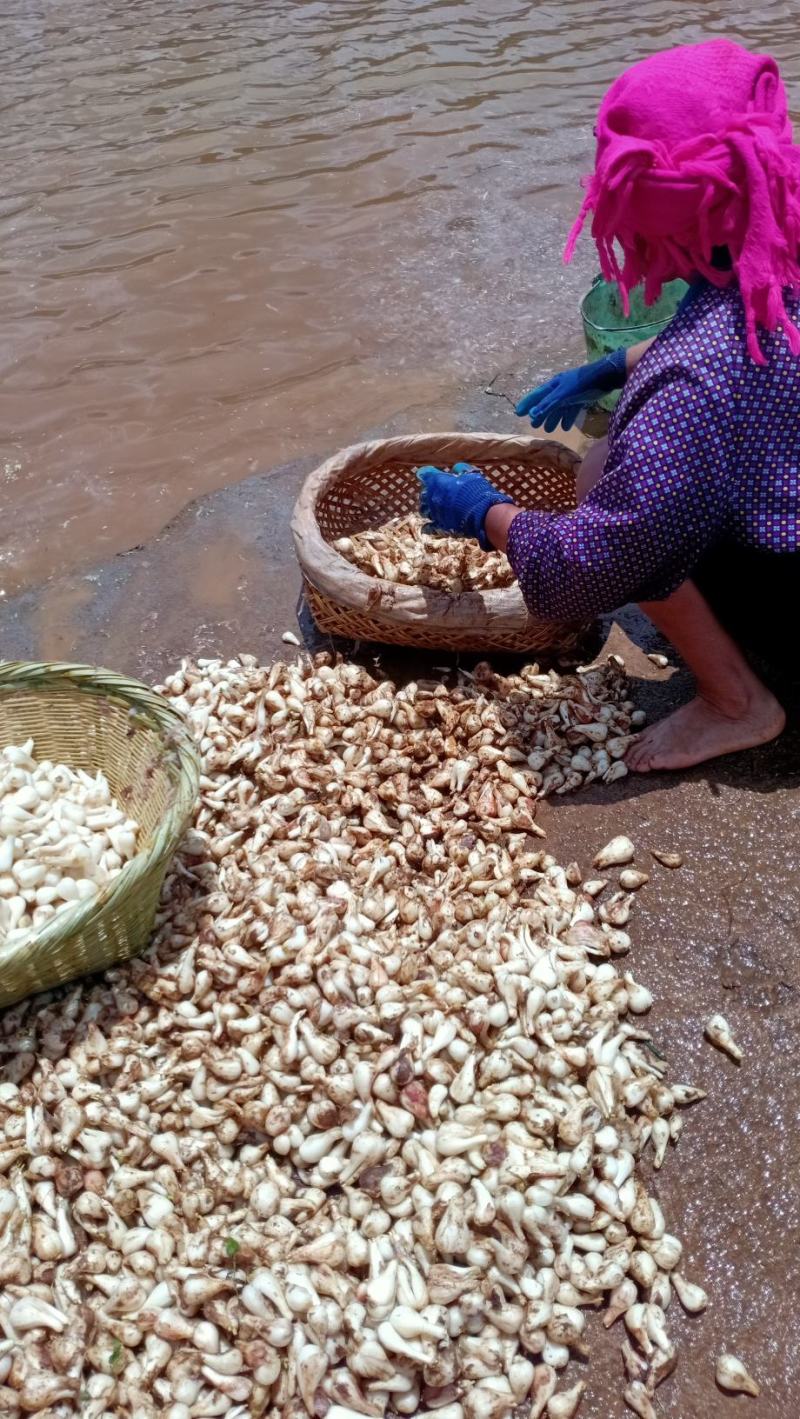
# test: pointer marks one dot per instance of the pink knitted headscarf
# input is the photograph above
(695, 151)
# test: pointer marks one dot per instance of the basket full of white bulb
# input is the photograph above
(98, 778)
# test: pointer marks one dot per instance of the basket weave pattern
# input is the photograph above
(93, 719)
(368, 484)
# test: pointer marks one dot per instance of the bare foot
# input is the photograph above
(700, 731)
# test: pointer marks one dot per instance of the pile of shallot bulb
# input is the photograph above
(360, 1135)
(401, 550)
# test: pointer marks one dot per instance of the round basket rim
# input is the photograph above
(335, 577)
(91, 679)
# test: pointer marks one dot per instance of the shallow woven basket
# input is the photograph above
(93, 719)
(370, 483)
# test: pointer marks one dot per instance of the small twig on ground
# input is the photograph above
(499, 393)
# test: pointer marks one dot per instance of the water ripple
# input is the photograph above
(232, 233)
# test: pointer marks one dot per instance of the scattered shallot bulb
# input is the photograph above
(637, 1399)
(631, 879)
(718, 1031)
(732, 1375)
(673, 860)
(564, 1404)
(691, 1296)
(615, 853)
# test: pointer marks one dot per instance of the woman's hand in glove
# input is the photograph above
(458, 502)
(561, 399)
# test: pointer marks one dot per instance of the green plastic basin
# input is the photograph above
(606, 327)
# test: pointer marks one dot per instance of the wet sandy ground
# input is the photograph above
(723, 933)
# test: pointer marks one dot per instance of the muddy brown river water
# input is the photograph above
(236, 233)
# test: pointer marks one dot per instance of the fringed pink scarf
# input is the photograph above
(695, 151)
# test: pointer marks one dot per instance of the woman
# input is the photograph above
(693, 507)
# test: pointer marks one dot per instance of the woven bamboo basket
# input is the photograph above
(370, 483)
(93, 719)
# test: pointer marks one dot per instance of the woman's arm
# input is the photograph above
(500, 518)
(634, 353)
(498, 521)
(662, 500)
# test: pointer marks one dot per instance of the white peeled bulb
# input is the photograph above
(718, 1031)
(63, 838)
(564, 1404)
(637, 1399)
(732, 1375)
(691, 1296)
(616, 853)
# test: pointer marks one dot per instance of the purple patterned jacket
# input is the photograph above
(704, 446)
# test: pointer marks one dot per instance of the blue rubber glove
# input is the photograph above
(561, 399)
(458, 502)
